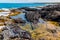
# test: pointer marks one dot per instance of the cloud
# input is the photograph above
(27, 1)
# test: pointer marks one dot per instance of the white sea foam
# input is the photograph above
(5, 9)
(4, 13)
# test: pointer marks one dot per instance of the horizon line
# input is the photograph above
(38, 2)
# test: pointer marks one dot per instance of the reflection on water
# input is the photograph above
(22, 15)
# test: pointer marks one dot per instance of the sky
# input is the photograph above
(27, 1)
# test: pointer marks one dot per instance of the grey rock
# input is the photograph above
(32, 16)
(14, 31)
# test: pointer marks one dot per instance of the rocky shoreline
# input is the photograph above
(28, 23)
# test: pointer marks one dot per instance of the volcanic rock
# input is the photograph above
(51, 12)
(19, 20)
(32, 16)
(28, 9)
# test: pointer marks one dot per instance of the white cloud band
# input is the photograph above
(27, 1)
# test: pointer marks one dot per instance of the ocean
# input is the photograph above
(18, 5)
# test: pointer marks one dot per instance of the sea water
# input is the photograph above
(19, 5)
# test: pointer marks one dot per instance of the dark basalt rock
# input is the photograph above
(28, 9)
(32, 16)
(51, 8)
(51, 12)
(19, 20)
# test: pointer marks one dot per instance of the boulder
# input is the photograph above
(32, 16)
(51, 13)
